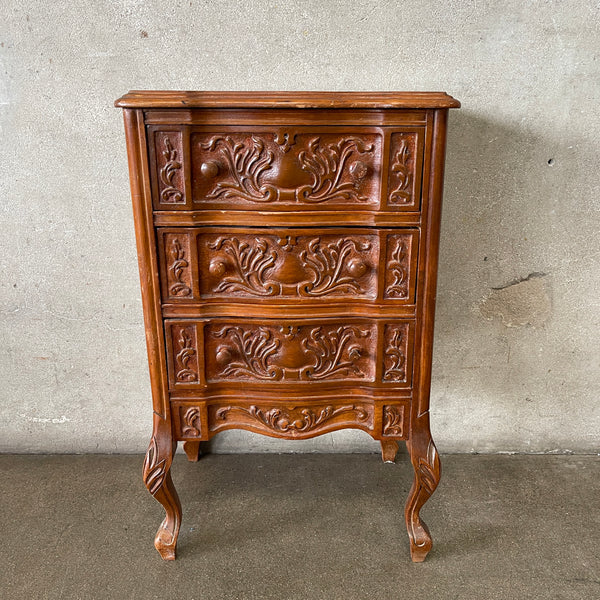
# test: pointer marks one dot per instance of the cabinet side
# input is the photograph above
(428, 263)
(147, 257)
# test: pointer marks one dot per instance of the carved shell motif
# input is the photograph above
(282, 420)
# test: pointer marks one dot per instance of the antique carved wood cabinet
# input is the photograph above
(287, 248)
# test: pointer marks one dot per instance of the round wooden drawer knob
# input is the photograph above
(359, 169)
(357, 267)
(216, 267)
(209, 169)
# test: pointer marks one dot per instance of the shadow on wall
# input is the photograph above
(501, 187)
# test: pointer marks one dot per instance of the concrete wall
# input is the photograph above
(517, 358)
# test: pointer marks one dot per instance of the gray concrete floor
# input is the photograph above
(300, 526)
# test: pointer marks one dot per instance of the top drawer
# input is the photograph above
(284, 168)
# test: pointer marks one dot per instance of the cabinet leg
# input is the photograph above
(157, 478)
(192, 450)
(426, 465)
(389, 448)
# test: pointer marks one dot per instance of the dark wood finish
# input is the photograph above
(287, 247)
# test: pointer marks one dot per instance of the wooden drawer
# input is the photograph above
(275, 168)
(296, 417)
(291, 265)
(326, 352)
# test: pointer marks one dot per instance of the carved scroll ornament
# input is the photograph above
(282, 420)
(335, 173)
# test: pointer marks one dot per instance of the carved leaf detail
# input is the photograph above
(393, 419)
(333, 352)
(170, 193)
(283, 420)
(177, 268)
(290, 352)
(398, 267)
(251, 264)
(191, 421)
(395, 358)
(326, 166)
(256, 265)
(247, 163)
(428, 469)
(329, 265)
(333, 177)
(253, 348)
(183, 357)
(154, 469)
(401, 168)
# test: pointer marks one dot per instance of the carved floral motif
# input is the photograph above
(393, 420)
(184, 370)
(251, 169)
(326, 165)
(191, 422)
(246, 163)
(282, 420)
(398, 267)
(169, 194)
(178, 265)
(395, 352)
(250, 262)
(401, 170)
(293, 353)
(327, 262)
(252, 265)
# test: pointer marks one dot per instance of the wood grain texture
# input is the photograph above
(288, 246)
(197, 99)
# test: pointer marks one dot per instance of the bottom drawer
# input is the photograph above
(292, 419)
(226, 352)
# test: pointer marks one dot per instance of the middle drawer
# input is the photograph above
(290, 265)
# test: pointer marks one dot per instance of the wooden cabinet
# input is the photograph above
(287, 247)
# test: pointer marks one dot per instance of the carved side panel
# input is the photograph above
(184, 357)
(400, 267)
(291, 421)
(170, 183)
(259, 265)
(177, 266)
(290, 353)
(393, 420)
(190, 421)
(285, 166)
(396, 359)
(404, 178)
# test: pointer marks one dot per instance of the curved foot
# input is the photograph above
(192, 450)
(166, 542)
(389, 448)
(426, 464)
(157, 478)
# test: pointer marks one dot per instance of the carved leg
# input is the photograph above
(426, 464)
(157, 478)
(389, 448)
(192, 450)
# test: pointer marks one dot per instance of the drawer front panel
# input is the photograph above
(205, 353)
(286, 168)
(291, 265)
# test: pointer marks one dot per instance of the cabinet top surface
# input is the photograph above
(207, 99)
